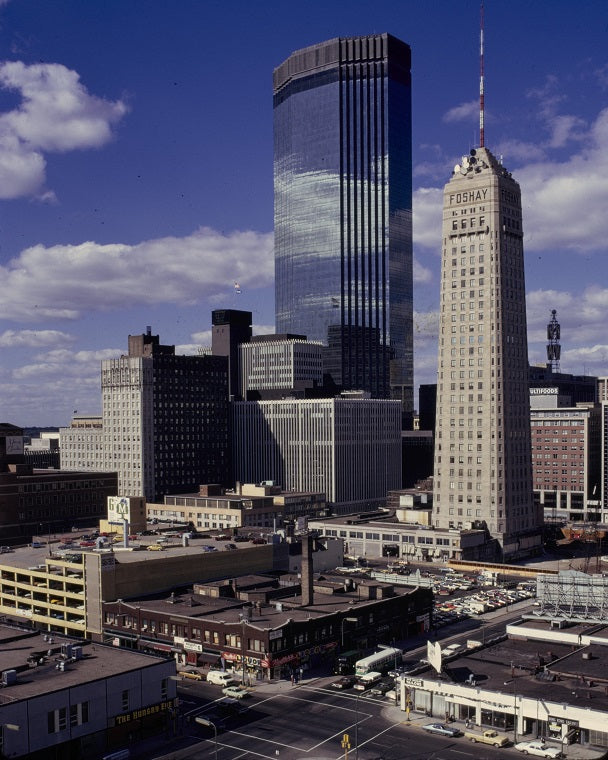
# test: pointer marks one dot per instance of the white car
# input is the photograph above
(236, 692)
(538, 748)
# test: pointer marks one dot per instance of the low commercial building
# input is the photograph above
(545, 684)
(62, 698)
(60, 588)
(264, 625)
(247, 505)
(382, 535)
(45, 501)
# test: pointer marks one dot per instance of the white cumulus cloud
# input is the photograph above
(427, 214)
(33, 338)
(463, 112)
(56, 114)
(565, 202)
(64, 281)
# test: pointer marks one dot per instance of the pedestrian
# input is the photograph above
(467, 723)
(292, 679)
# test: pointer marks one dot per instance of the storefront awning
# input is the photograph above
(206, 657)
(159, 647)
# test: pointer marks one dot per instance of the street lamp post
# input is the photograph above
(243, 650)
(207, 722)
(350, 620)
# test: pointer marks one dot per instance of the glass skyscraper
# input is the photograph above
(343, 209)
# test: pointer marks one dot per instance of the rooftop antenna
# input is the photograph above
(481, 87)
(553, 345)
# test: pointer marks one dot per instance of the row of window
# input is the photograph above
(57, 720)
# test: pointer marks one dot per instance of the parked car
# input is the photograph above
(346, 682)
(538, 748)
(441, 729)
(236, 692)
(487, 737)
(193, 675)
(230, 546)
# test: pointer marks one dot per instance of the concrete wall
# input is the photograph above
(164, 572)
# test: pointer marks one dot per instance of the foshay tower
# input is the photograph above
(482, 470)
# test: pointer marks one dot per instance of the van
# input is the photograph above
(220, 678)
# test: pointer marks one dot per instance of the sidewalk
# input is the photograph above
(417, 720)
(178, 748)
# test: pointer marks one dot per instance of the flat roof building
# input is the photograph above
(347, 447)
(74, 699)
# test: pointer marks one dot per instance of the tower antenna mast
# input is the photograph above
(481, 84)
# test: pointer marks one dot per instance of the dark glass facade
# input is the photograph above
(343, 200)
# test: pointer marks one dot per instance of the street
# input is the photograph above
(315, 722)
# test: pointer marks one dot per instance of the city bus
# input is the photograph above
(345, 662)
(380, 661)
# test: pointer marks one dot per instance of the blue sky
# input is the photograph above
(136, 169)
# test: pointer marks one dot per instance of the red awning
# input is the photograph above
(160, 647)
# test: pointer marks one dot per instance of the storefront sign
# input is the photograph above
(414, 682)
(294, 656)
(563, 721)
(251, 662)
(275, 634)
(144, 712)
(192, 646)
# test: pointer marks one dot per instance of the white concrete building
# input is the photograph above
(82, 444)
(280, 363)
(348, 448)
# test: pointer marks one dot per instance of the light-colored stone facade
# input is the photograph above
(482, 471)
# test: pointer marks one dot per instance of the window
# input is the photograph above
(79, 714)
(124, 700)
(57, 720)
(232, 640)
(164, 689)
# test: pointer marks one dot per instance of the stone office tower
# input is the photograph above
(343, 209)
(482, 471)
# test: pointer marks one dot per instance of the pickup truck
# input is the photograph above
(487, 737)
